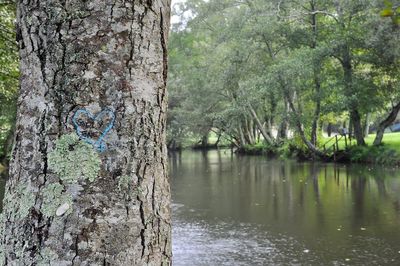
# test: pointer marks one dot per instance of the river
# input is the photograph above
(250, 210)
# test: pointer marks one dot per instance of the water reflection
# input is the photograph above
(231, 210)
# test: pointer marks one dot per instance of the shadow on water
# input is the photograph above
(246, 210)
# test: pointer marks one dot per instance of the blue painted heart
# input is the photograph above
(93, 128)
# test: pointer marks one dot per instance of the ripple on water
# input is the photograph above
(201, 243)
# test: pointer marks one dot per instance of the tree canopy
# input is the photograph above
(279, 70)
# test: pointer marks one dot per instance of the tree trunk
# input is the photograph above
(248, 132)
(88, 176)
(356, 122)
(349, 91)
(385, 123)
(283, 128)
(260, 126)
(242, 139)
(329, 129)
(351, 129)
(204, 141)
(316, 73)
(366, 127)
(300, 128)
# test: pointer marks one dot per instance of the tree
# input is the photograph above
(8, 77)
(88, 176)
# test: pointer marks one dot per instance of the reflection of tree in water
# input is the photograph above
(315, 171)
(315, 175)
(358, 185)
(380, 184)
(175, 158)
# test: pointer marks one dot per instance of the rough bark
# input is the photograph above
(391, 117)
(93, 56)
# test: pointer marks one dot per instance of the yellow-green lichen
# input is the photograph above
(73, 159)
(53, 197)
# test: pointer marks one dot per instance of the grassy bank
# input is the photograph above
(388, 153)
(391, 140)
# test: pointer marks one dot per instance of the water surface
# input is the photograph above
(247, 210)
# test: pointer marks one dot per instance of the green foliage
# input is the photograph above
(230, 57)
(392, 11)
(8, 76)
(374, 154)
(73, 159)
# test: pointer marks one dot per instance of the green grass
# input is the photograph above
(390, 140)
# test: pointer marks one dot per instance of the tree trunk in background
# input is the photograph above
(351, 129)
(204, 140)
(242, 139)
(260, 126)
(283, 128)
(385, 123)
(94, 69)
(366, 127)
(316, 73)
(349, 92)
(358, 131)
(329, 129)
(300, 128)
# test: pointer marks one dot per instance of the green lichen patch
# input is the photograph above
(21, 208)
(73, 159)
(53, 197)
(125, 182)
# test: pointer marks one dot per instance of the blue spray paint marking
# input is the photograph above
(99, 143)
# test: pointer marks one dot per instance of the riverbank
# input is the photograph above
(386, 154)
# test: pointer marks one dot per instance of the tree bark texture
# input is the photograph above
(105, 62)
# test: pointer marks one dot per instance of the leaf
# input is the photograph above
(396, 20)
(387, 13)
(388, 4)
